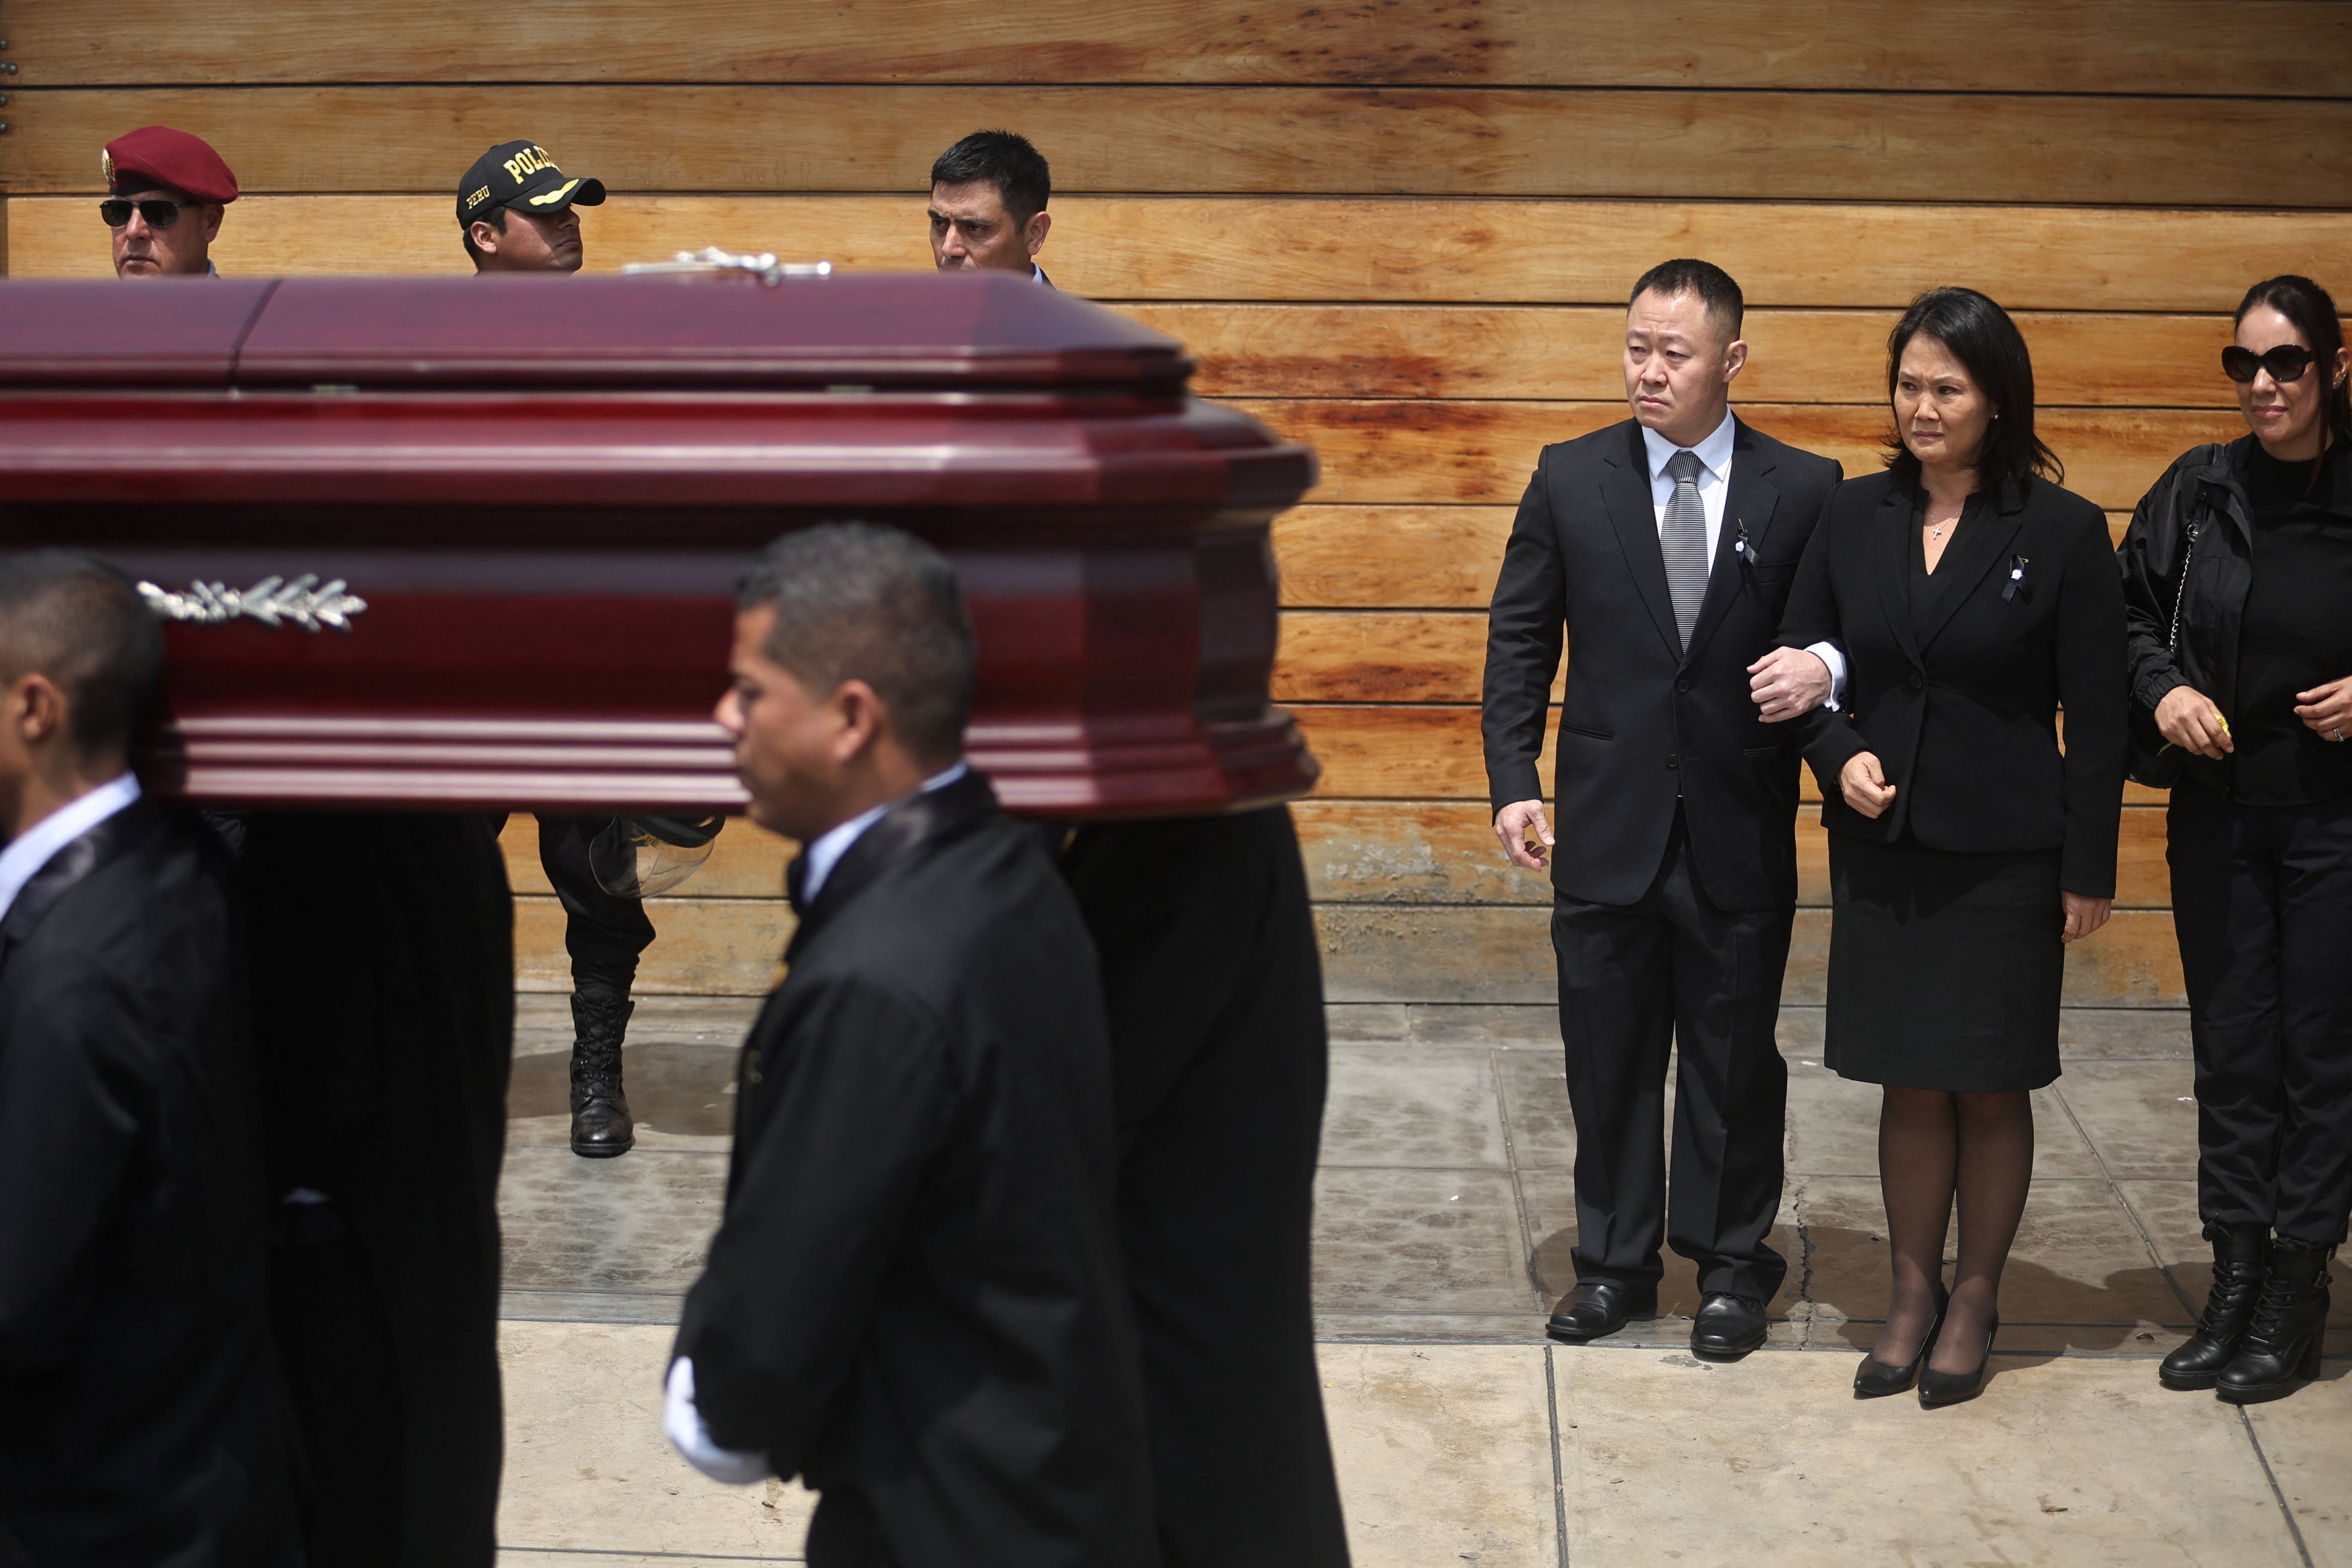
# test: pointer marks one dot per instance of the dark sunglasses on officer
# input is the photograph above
(2285, 362)
(160, 212)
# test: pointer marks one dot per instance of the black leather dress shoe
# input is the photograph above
(1727, 1327)
(1594, 1308)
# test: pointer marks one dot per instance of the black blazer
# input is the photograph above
(139, 1415)
(1964, 718)
(915, 1300)
(1642, 720)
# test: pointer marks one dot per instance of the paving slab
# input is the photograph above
(1396, 1105)
(1444, 1454)
(2141, 1116)
(1442, 1241)
(2086, 1033)
(543, 1022)
(587, 1466)
(641, 1222)
(2071, 1462)
(1541, 1124)
(681, 1095)
(2307, 1438)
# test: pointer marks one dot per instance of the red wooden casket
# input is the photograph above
(473, 541)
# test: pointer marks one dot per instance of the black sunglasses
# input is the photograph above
(2285, 362)
(159, 213)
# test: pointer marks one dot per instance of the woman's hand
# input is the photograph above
(1787, 682)
(2327, 709)
(2083, 915)
(1864, 783)
(2187, 719)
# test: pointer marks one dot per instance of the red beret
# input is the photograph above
(158, 155)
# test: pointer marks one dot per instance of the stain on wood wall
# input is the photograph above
(1401, 230)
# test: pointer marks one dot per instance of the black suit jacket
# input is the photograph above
(1963, 717)
(914, 1300)
(140, 1422)
(1643, 720)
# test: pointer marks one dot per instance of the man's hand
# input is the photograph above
(1788, 681)
(1864, 783)
(2083, 915)
(2327, 709)
(1513, 823)
(2187, 719)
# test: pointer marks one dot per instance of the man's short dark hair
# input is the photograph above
(496, 217)
(1688, 275)
(858, 602)
(79, 621)
(1018, 170)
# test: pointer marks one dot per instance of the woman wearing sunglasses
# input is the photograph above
(2238, 582)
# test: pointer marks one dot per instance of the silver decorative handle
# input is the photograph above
(710, 258)
(273, 601)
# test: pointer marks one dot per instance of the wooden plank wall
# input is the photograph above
(1402, 231)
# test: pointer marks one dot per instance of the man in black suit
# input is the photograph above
(1664, 548)
(914, 1300)
(140, 1421)
(988, 206)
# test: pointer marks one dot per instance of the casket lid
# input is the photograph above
(880, 330)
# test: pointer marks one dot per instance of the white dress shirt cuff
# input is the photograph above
(1829, 654)
(691, 1435)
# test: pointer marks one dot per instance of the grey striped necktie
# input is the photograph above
(1684, 540)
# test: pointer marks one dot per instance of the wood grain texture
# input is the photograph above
(2254, 46)
(1410, 452)
(1337, 249)
(1576, 352)
(1375, 953)
(702, 947)
(1408, 557)
(747, 862)
(1433, 751)
(1445, 141)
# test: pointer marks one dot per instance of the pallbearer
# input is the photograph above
(913, 1301)
(1219, 1058)
(139, 1418)
(166, 193)
(517, 212)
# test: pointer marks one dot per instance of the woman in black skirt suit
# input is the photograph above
(2238, 573)
(1972, 599)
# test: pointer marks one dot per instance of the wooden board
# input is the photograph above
(1374, 953)
(1444, 852)
(1385, 557)
(1410, 452)
(747, 862)
(1575, 352)
(1314, 248)
(1447, 142)
(1433, 751)
(2251, 46)
(702, 947)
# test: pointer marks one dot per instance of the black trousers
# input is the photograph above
(1215, 990)
(2263, 904)
(1634, 981)
(603, 931)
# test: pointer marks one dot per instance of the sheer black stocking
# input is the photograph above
(1934, 1146)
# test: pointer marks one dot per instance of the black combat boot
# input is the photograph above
(2240, 1253)
(600, 1127)
(2280, 1352)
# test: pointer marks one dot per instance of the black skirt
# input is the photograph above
(1945, 968)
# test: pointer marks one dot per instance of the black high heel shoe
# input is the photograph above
(1941, 1388)
(1874, 1379)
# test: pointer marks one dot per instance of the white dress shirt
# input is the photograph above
(834, 842)
(688, 1433)
(1714, 455)
(39, 845)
